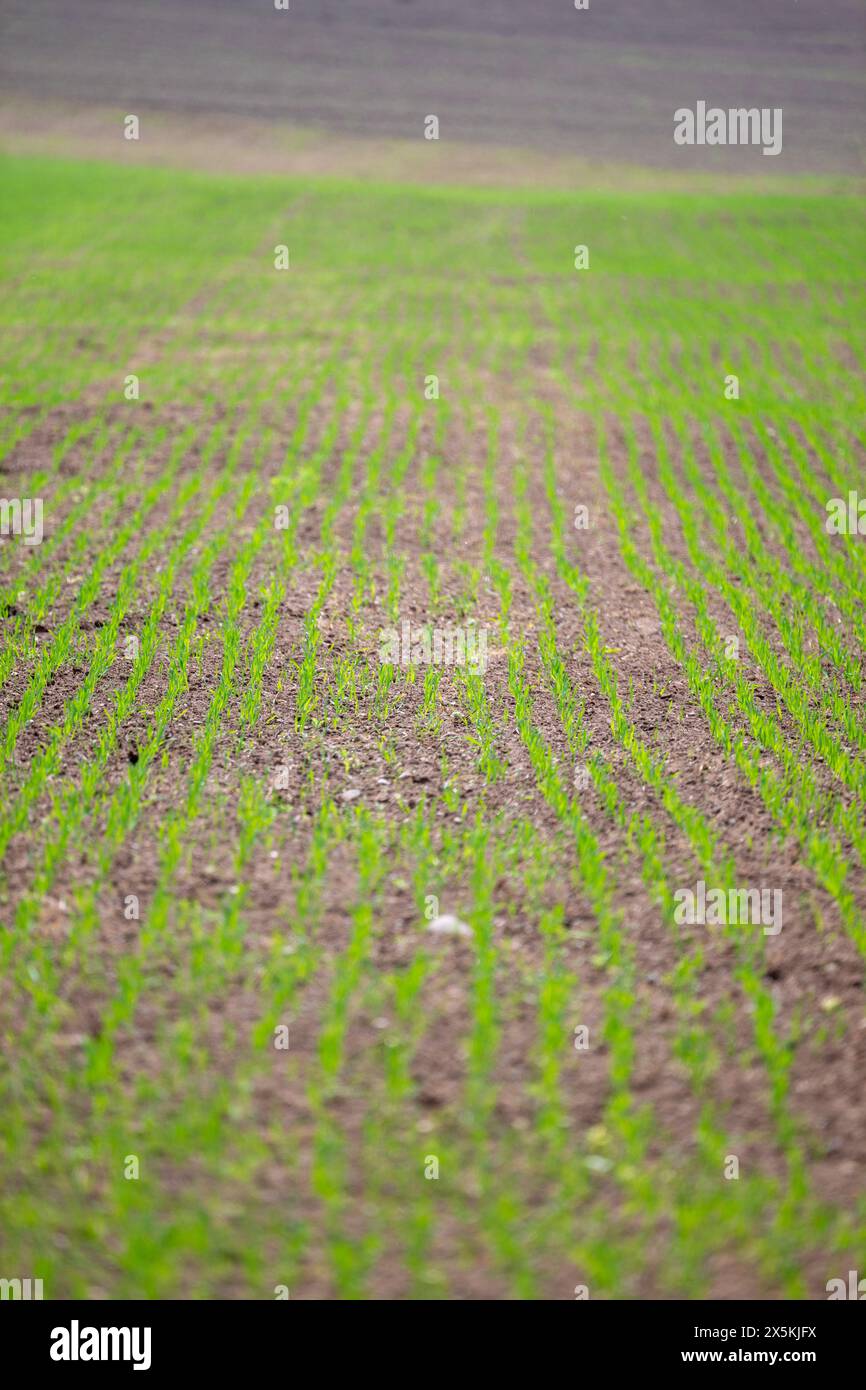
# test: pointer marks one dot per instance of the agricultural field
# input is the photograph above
(433, 735)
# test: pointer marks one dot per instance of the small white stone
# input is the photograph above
(597, 1163)
(351, 794)
(448, 925)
